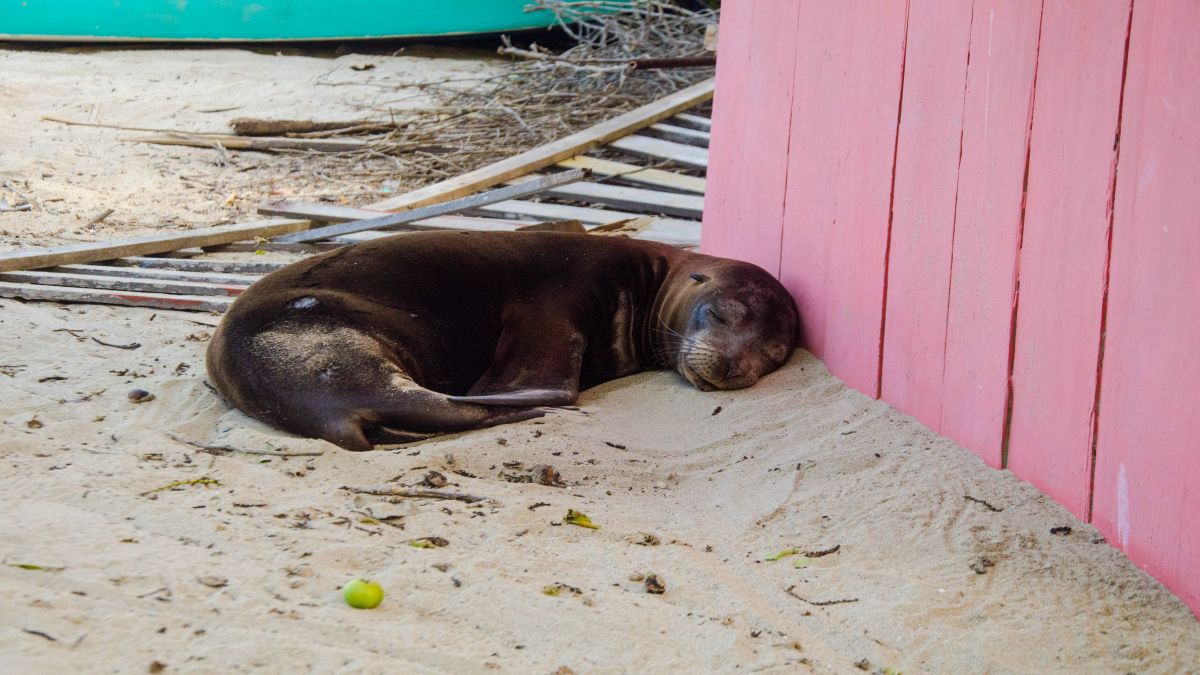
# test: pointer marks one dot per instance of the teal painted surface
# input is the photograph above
(214, 20)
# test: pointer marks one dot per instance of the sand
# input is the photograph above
(243, 573)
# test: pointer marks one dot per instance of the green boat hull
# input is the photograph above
(259, 20)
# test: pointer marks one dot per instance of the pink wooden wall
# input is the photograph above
(989, 214)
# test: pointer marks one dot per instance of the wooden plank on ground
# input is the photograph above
(33, 258)
(685, 155)
(342, 214)
(683, 135)
(632, 173)
(744, 218)
(634, 199)
(927, 152)
(115, 283)
(168, 275)
(522, 189)
(547, 155)
(700, 121)
(106, 297)
(839, 179)
(1147, 485)
(202, 265)
(666, 230)
(1064, 247)
(1004, 39)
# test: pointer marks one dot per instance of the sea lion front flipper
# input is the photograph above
(523, 397)
(537, 363)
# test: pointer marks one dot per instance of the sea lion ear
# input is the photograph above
(699, 277)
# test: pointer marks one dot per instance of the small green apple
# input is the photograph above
(363, 594)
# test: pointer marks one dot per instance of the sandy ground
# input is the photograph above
(243, 573)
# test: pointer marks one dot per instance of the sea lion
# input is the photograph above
(403, 337)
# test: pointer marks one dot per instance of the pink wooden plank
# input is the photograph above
(848, 71)
(1064, 247)
(1147, 483)
(935, 78)
(743, 207)
(1004, 37)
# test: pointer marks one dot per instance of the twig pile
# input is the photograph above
(534, 99)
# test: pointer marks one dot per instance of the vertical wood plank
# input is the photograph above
(927, 154)
(743, 207)
(1064, 247)
(1147, 479)
(1004, 38)
(840, 157)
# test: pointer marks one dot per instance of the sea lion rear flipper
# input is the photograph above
(523, 397)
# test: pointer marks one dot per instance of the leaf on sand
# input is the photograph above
(38, 568)
(785, 553)
(429, 542)
(574, 517)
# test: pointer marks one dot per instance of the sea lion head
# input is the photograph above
(724, 324)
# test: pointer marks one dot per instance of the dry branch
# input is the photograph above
(415, 493)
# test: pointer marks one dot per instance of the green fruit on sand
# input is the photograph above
(363, 594)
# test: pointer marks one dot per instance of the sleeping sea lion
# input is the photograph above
(402, 337)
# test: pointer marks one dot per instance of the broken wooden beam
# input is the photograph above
(108, 297)
(473, 201)
(34, 258)
(686, 155)
(115, 283)
(632, 173)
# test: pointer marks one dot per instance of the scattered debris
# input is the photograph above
(790, 590)
(183, 483)
(131, 345)
(614, 445)
(221, 450)
(100, 218)
(981, 565)
(862, 664)
(654, 585)
(986, 505)
(139, 396)
(537, 505)
(434, 479)
(429, 542)
(252, 126)
(214, 582)
(805, 557)
(414, 493)
(574, 517)
(716, 410)
(1062, 530)
(637, 576)
(646, 539)
(542, 474)
(37, 568)
(34, 423)
(40, 634)
(156, 667)
(823, 552)
(557, 588)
